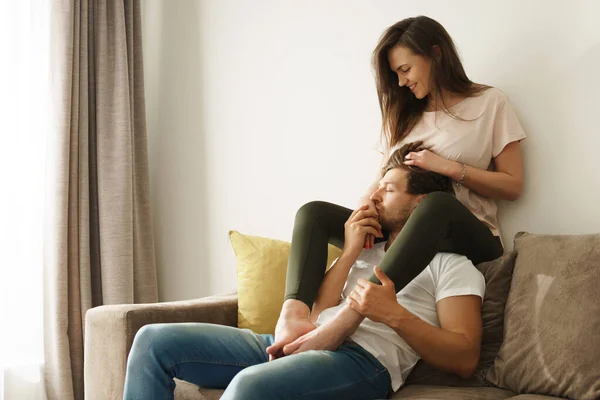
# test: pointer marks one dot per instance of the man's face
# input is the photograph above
(393, 204)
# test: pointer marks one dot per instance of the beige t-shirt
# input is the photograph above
(474, 143)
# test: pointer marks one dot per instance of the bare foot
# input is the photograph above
(293, 323)
(322, 338)
(286, 332)
(328, 336)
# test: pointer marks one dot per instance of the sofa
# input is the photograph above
(541, 337)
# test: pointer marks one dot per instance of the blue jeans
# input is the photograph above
(216, 356)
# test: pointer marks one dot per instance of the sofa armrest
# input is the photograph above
(110, 329)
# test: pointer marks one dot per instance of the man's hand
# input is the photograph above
(362, 221)
(370, 238)
(376, 302)
(321, 338)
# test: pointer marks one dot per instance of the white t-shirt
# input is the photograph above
(447, 275)
(474, 143)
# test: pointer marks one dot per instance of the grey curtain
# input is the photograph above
(99, 243)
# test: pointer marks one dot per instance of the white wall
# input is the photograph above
(256, 107)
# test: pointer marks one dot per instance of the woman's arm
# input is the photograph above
(506, 182)
(330, 290)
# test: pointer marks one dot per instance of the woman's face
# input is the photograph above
(413, 71)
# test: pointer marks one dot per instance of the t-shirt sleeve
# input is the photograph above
(456, 276)
(507, 128)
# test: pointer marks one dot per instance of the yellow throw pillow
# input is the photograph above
(261, 270)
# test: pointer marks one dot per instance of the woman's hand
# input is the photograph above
(429, 161)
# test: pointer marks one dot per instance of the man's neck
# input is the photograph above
(391, 238)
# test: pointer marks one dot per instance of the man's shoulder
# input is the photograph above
(455, 275)
(443, 258)
(447, 262)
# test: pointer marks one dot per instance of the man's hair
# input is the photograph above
(418, 180)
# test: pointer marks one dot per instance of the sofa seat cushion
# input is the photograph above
(431, 392)
(188, 391)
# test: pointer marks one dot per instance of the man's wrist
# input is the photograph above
(349, 257)
(347, 320)
(398, 318)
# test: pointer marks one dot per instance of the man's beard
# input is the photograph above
(396, 222)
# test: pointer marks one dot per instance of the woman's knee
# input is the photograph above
(439, 202)
(441, 197)
(310, 210)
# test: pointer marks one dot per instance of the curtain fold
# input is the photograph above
(99, 243)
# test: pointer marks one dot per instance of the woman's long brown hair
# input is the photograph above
(400, 109)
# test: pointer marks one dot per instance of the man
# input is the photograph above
(436, 317)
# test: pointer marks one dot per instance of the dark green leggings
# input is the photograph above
(440, 223)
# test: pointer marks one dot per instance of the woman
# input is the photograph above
(473, 136)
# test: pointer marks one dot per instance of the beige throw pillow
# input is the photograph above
(552, 320)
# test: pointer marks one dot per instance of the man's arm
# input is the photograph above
(453, 347)
(331, 288)
(361, 222)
